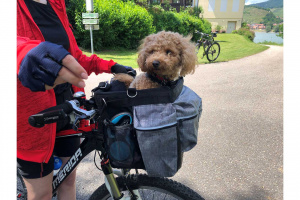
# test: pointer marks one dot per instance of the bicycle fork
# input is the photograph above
(112, 185)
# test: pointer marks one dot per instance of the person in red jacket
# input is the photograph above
(50, 68)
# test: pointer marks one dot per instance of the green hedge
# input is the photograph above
(245, 32)
(122, 24)
(181, 22)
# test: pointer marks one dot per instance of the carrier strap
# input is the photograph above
(160, 80)
(133, 97)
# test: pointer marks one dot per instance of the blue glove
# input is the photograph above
(41, 65)
(117, 68)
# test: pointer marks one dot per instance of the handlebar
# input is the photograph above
(60, 112)
(213, 34)
(50, 115)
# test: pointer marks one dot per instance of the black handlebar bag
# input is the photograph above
(165, 124)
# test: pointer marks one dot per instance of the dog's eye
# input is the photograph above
(168, 52)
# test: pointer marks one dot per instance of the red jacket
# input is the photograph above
(36, 144)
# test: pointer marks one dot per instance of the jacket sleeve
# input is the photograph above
(24, 45)
(92, 63)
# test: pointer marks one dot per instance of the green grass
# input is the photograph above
(270, 43)
(233, 46)
(124, 57)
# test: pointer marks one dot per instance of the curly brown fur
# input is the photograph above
(175, 54)
(125, 78)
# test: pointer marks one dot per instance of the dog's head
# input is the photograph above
(167, 54)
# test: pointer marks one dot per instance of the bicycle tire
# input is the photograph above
(197, 48)
(21, 188)
(161, 187)
(213, 48)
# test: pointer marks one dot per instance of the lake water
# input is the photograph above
(269, 37)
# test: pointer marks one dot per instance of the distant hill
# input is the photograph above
(277, 12)
(270, 4)
(254, 15)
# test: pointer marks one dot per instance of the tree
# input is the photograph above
(281, 30)
(276, 29)
(268, 28)
(270, 18)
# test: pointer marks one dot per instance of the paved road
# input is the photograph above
(240, 145)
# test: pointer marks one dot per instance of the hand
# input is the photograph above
(71, 72)
(48, 65)
(117, 68)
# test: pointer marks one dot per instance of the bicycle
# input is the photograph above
(211, 48)
(128, 185)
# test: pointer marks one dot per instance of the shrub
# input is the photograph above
(218, 28)
(181, 22)
(122, 24)
(281, 30)
(194, 11)
(245, 32)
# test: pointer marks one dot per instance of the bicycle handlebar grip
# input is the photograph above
(50, 115)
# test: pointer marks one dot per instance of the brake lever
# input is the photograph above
(79, 114)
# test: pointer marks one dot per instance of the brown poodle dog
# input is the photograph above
(164, 57)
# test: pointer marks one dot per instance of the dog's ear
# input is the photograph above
(142, 55)
(189, 58)
(141, 58)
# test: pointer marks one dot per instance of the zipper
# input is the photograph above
(42, 169)
(188, 118)
(168, 126)
(53, 133)
(157, 128)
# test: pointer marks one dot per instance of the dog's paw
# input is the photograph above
(125, 78)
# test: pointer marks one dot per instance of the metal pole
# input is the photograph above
(91, 34)
(89, 9)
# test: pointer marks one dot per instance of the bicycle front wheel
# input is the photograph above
(197, 48)
(213, 52)
(150, 188)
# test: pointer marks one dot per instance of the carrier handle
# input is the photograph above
(131, 90)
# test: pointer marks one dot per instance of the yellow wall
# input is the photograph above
(217, 17)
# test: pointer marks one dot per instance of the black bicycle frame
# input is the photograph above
(93, 141)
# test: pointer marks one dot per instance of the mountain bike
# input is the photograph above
(211, 48)
(120, 184)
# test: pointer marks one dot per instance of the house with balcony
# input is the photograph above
(226, 13)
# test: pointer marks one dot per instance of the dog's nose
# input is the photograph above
(155, 64)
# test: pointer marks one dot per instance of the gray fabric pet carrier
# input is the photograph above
(165, 124)
(165, 131)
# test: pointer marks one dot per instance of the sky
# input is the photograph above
(248, 2)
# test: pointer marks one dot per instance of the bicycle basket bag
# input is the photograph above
(121, 143)
(117, 125)
(165, 124)
(165, 131)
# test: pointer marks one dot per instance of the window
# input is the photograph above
(175, 1)
(155, 1)
(211, 5)
(188, 2)
(235, 6)
(223, 5)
